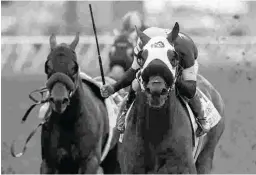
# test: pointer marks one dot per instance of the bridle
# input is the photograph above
(170, 88)
(59, 77)
(52, 77)
(45, 89)
(178, 71)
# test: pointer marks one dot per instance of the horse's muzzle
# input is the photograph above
(156, 86)
(59, 97)
(61, 88)
(156, 91)
(59, 105)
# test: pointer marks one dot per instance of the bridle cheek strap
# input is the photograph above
(76, 85)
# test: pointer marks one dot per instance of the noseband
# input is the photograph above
(65, 79)
(72, 85)
(170, 88)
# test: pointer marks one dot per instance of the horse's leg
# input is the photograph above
(111, 165)
(89, 166)
(131, 153)
(45, 168)
(171, 166)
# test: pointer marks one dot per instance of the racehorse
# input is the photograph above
(120, 55)
(159, 135)
(72, 139)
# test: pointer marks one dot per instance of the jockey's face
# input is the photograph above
(122, 50)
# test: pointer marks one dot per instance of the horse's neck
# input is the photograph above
(81, 96)
(160, 121)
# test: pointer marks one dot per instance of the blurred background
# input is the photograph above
(224, 31)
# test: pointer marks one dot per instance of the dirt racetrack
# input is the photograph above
(236, 152)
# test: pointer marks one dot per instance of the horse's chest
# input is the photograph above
(67, 146)
(63, 144)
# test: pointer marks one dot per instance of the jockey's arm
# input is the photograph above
(128, 77)
(130, 74)
(186, 84)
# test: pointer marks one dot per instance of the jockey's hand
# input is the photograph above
(107, 90)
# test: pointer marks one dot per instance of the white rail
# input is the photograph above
(107, 39)
(26, 54)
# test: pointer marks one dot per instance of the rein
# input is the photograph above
(24, 118)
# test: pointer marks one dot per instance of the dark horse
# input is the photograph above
(120, 55)
(73, 137)
(158, 136)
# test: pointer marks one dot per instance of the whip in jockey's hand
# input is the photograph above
(107, 90)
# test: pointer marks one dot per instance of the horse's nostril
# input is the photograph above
(164, 91)
(65, 101)
(148, 89)
(51, 99)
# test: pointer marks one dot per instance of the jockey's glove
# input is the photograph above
(107, 90)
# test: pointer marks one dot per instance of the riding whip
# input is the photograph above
(95, 34)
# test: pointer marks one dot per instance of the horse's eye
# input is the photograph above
(74, 69)
(48, 68)
(142, 56)
(173, 57)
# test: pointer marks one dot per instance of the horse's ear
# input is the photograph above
(143, 37)
(53, 42)
(174, 33)
(75, 42)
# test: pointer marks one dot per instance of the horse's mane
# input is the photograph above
(94, 88)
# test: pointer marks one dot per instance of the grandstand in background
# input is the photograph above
(25, 30)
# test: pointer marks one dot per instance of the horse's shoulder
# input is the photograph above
(92, 84)
(95, 83)
(93, 87)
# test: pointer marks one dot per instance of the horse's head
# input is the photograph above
(122, 49)
(62, 73)
(159, 61)
(121, 55)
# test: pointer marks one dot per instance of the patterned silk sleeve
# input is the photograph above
(188, 52)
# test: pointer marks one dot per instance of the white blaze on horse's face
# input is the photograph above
(158, 48)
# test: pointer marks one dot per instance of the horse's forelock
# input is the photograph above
(63, 49)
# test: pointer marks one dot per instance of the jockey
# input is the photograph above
(186, 83)
(132, 19)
